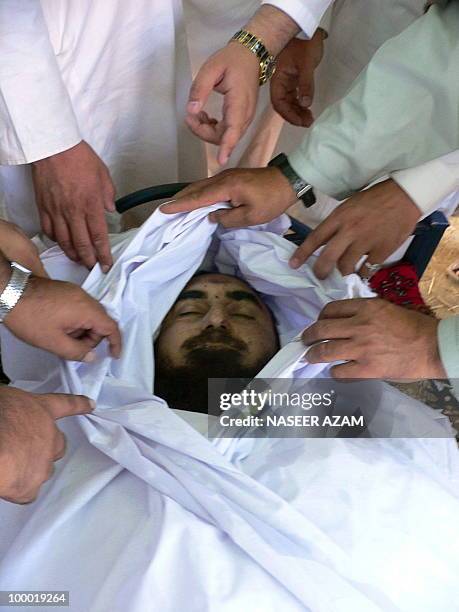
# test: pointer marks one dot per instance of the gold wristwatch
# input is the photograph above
(254, 44)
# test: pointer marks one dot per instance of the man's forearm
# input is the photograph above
(274, 27)
(401, 112)
(306, 13)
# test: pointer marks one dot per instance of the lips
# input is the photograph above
(214, 337)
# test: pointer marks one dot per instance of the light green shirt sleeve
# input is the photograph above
(402, 111)
(448, 342)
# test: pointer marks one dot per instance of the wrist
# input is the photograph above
(58, 156)
(302, 189)
(14, 290)
(274, 27)
(401, 197)
(283, 187)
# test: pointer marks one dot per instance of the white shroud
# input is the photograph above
(144, 513)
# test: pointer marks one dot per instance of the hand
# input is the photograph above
(234, 72)
(256, 195)
(374, 222)
(30, 442)
(73, 189)
(16, 246)
(377, 340)
(292, 86)
(62, 319)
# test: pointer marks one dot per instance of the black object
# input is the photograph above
(302, 188)
(149, 194)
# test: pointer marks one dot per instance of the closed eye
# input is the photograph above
(191, 312)
(244, 316)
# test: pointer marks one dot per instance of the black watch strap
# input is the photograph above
(304, 191)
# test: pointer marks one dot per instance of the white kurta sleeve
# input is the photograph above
(306, 13)
(428, 184)
(400, 112)
(36, 114)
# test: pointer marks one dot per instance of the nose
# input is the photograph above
(216, 317)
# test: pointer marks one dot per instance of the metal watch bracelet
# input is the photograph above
(13, 291)
(256, 46)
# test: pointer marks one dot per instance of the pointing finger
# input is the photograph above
(206, 79)
(343, 308)
(313, 241)
(329, 256)
(211, 194)
(236, 115)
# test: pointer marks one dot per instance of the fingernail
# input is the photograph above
(294, 263)
(89, 357)
(223, 159)
(305, 101)
(105, 268)
(193, 107)
(92, 403)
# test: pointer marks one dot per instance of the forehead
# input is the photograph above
(218, 284)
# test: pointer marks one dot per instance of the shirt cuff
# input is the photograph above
(307, 15)
(325, 22)
(448, 343)
(428, 184)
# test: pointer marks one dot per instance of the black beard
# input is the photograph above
(186, 387)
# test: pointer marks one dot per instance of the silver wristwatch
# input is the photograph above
(14, 289)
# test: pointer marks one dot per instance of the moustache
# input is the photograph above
(215, 335)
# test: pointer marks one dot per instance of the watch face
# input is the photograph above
(300, 187)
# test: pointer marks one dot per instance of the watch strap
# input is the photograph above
(303, 190)
(13, 291)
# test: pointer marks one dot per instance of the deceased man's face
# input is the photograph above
(218, 328)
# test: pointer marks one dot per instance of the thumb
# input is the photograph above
(109, 205)
(60, 405)
(202, 87)
(306, 87)
(233, 217)
(36, 267)
(109, 195)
